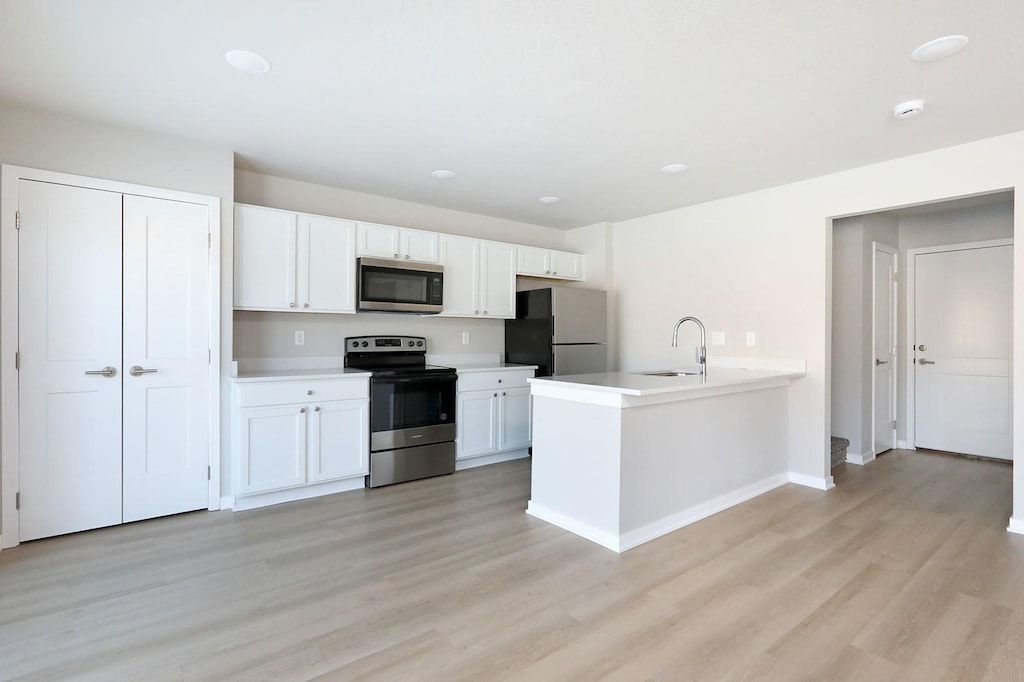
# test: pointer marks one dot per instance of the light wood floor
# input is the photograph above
(903, 572)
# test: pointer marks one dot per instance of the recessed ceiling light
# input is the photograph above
(250, 62)
(908, 109)
(674, 168)
(549, 200)
(443, 174)
(938, 48)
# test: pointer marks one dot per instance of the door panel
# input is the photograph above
(166, 314)
(580, 315)
(579, 359)
(884, 359)
(338, 447)
(461, 276)
(477, 424)
(515, 419)
(326, 264)
(498, 283)
(963, 321)
(69, 324)
(265, 245)
(273, 440)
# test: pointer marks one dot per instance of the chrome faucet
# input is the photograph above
(702, 352)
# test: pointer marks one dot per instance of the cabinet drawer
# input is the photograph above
(310, 391)
(480, 381)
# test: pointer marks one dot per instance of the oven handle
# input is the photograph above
(448, 378)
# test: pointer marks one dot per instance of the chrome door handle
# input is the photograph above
(922, 361)
(880, 362)
(137, 371)
(107, 371)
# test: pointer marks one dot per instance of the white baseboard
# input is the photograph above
(826, 483)
(586, 531)
(1016, 526)
(473, 462)
(904, 445)
(676, 521)
(624, 541)
(861, 459)
(227, 502)
(294, 494)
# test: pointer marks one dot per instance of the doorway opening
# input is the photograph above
(874, 398)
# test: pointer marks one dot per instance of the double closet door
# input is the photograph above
(114, 320)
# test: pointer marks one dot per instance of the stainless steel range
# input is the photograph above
(412, 408)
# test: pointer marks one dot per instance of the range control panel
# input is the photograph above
(384, 344)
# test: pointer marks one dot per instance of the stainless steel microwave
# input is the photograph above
(399, 286)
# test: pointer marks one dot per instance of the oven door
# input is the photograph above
(411, 410)
(390, 286)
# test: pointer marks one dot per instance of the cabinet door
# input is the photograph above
(477, 421)
(265, 243)
(461, 276)
(533, 261)
(326, 264)
(378, 241)
(498, 280)
(272, 448)
(420, 246)
(338, 440)
(514, 425)
(566, 265)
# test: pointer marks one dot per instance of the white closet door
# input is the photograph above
(166, 336)
(69, 300)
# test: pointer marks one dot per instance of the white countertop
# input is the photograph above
(290, 374)
(628, 389)
(467, 367)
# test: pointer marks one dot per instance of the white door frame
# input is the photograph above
(876, 248)
(9, 411)
(908, 342)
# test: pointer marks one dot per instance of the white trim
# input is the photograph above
(227, 502)
(904, 445)
(9, 412)
(895, 335)
(584, 530)
(303, 492)
(701, 511)
(861, 459)
(909, 341)
(484, 460)
(819, 483)
(1016, 526)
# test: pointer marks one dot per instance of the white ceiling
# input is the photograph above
(580, 99)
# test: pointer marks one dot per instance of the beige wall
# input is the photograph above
(762, 262)
(39, 139)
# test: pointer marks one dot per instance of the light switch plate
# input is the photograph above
(751, 339)
(717, 338)
(465, 338)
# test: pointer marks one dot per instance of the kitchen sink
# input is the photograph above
(672, 373)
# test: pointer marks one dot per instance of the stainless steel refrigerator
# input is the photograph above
(562, 330)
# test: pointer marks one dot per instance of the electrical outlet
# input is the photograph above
(751, 339)
(465, 338)
(717, 338)
(300, 337)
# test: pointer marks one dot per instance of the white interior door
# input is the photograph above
(962, 351)
(884, 344)
(166, 357)
(69, 322)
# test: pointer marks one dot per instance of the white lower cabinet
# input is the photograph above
(292, 435)
(494, 416)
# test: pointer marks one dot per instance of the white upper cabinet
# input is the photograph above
(293, 261)
(536, 262)
(387, 241)
(479, 278)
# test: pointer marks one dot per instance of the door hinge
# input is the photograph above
(17, 361)
(17, 220)
(209, 472)
(209, 240)
(893, 424)
(17, 500)
(209, 356)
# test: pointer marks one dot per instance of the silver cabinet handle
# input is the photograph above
(309, 392)
(485, 312)
(107, 371)
(305, 305)
(503, 393)
(316, 409)
(292, 304)
(880, 362)
(476, 312)
(302, 410)
(547, 272)
(922, 361)
(137, 371)
(396, 255)
(495, 395)
(406, 256)
(499, 381)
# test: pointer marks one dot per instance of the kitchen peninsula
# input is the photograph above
(622, 458)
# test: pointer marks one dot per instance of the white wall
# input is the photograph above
(273, 334)
(40, 139)
(848, 390)
(762, 262)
